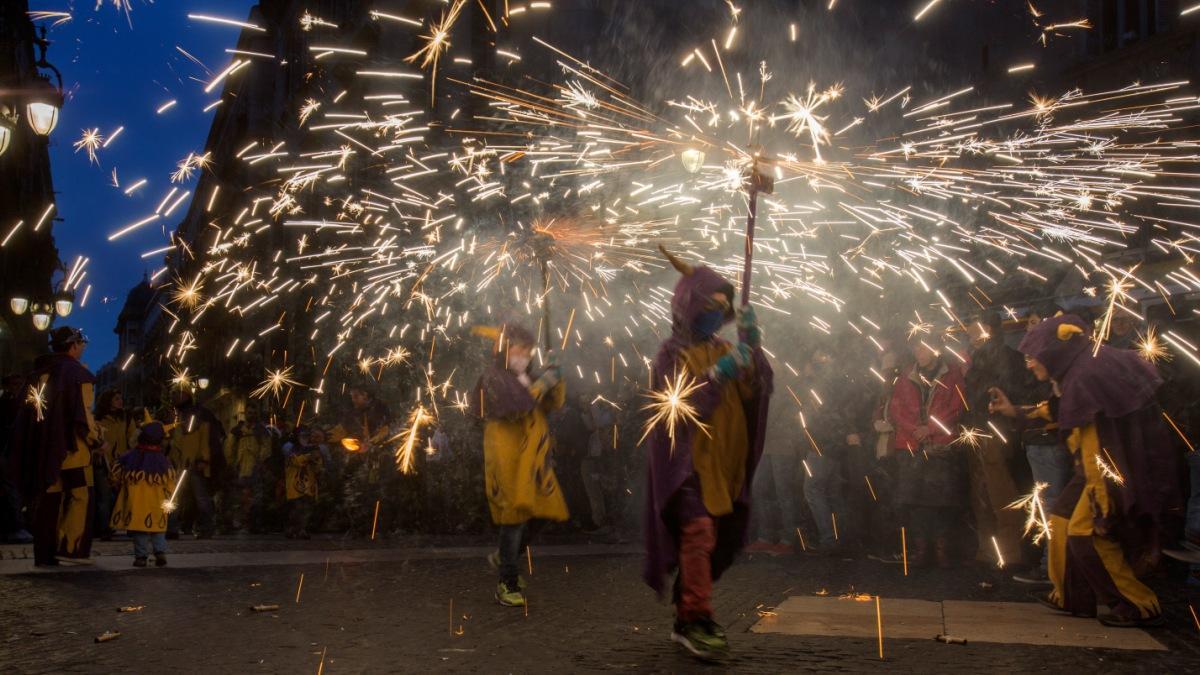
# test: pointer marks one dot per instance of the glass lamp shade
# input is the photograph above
(63, 306)
(18, 305)
(6, 132)
(202, 383)
(41, 318)
(692, 159)
(43, 117)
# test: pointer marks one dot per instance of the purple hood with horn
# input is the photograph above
(670, 465)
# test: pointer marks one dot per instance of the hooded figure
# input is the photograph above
(698, 479)
(519, 481)
(1124, 499)
(56, 435)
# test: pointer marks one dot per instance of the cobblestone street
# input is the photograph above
(430, 609)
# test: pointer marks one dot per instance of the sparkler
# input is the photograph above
(275, 382)
(670, 406)
(168, 505)
(1151, 348)
(405, 452)
(1035, 514)
(1108, 471)
(91, 140)
(35, 396)
(436, 42)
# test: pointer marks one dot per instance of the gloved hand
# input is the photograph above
(551, 360)
(550, 377)
(747, 324)
(731, 365)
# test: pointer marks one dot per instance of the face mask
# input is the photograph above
(708, 323)
(518, 364)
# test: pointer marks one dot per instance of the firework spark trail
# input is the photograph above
(1035, 514)
(405, 451)
(382, 237)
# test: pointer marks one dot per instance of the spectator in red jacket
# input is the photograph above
(932, 482)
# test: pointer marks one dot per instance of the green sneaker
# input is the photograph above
(509, 597)
(700, 640)
(714, 628)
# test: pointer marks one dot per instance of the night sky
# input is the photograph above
(116, 76)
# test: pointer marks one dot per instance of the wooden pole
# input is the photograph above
(749, 255)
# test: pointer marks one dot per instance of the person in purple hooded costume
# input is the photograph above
(699, 477)
(56, 435)
(1123, 503)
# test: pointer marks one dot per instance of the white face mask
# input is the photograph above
(518, 364)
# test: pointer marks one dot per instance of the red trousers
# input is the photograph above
(696, 544)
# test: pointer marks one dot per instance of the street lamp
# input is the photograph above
(18, 304)
(44, 102)
(41, 316)
(202, 382)
(692, 159)
(44, 99)
(8, 126)
(64, 301)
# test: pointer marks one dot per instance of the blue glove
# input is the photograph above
(730, 366)
(747, 324)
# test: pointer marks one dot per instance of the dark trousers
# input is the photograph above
(104, 502)
(62, 521)
(931, 522)
(514, 539)
(45, 528)
(299, 511)
(197, 505)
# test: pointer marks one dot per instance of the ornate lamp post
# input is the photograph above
(41, 101)
(44, 98)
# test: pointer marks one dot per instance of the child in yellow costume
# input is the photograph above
(146, 481)
(522, 490)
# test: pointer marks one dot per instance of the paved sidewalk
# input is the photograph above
(588, 613)
(242, 558)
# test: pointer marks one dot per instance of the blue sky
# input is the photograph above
(117, 76)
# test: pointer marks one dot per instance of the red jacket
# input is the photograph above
(945, 402)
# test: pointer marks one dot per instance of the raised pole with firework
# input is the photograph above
(757, 182)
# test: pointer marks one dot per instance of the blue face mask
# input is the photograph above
(708, 323)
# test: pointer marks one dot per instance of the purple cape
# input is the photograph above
(501, 395)
(668, 468)
(43, 445)
(1114, 382)
(498, 390)
(1114, 389)
(146, 459)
